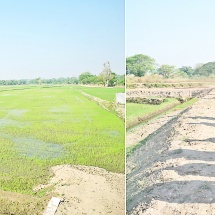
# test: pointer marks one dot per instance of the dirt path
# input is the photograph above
(89, 190)
(174, 171)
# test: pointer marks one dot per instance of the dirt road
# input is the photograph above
(88, 190)
(174, 171)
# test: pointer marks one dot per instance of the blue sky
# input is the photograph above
(176, 32)
(52, 38)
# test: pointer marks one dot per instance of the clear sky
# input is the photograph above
(60, 38)
(176, 32)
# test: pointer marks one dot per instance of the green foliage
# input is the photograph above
(186, 104)
(106, 76)
(188, 70)
(107, 94)
(119, 80)
(87, 78)
(139, 65)
(207, 69)
(73, 80)
(133, 110)
(44, 127)
(167, 70)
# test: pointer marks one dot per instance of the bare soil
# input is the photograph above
(168, 92)
(136, 135)
(88, 190)
(174, 171)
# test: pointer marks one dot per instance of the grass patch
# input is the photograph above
(133, 110)
(186, 104)
(105, 93)
(20, 204)
(44, 127)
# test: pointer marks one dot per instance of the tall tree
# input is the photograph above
(38, 81)
(139, 65)
(206, 69)
(106, 75)
(188, 70)
(85, 78)
(167, 70)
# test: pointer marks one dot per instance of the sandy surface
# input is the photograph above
(88, 190)
(174, 172)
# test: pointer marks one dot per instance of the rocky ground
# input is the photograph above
(174, 171)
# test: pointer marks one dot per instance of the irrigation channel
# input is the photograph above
(172, 170)
(148, 119)
(183, 95)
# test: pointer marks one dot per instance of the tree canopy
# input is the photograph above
(207, 69)
(139, 65)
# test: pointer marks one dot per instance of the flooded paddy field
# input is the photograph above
(44, 127)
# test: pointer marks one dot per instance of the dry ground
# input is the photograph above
(174, 172)
(135, 136)
(88, 190)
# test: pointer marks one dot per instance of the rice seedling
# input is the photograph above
(43, 127)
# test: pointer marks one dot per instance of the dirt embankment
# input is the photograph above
(88, 190)
(134, 136)
(168, 92)
(119, 109)
(174, 171)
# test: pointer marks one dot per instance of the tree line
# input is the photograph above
(106, 78)
(140, 65)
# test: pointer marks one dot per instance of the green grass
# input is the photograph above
(105, 93)
(44, 127)
(186, 104)
(134, 110)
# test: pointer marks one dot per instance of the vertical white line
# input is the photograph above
(125, 97)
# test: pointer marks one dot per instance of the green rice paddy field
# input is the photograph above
(134, 110)
(101, 92)
(43, 127)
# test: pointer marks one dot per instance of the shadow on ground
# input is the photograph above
(155, 149)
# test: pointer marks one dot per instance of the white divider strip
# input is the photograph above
(52, 206)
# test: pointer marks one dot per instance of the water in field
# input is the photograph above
(33, 148)
(112, 133)
(60, 125)
(5, 122)
(60, 109)
(6, 94)
(30, 147)
(16, 112)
